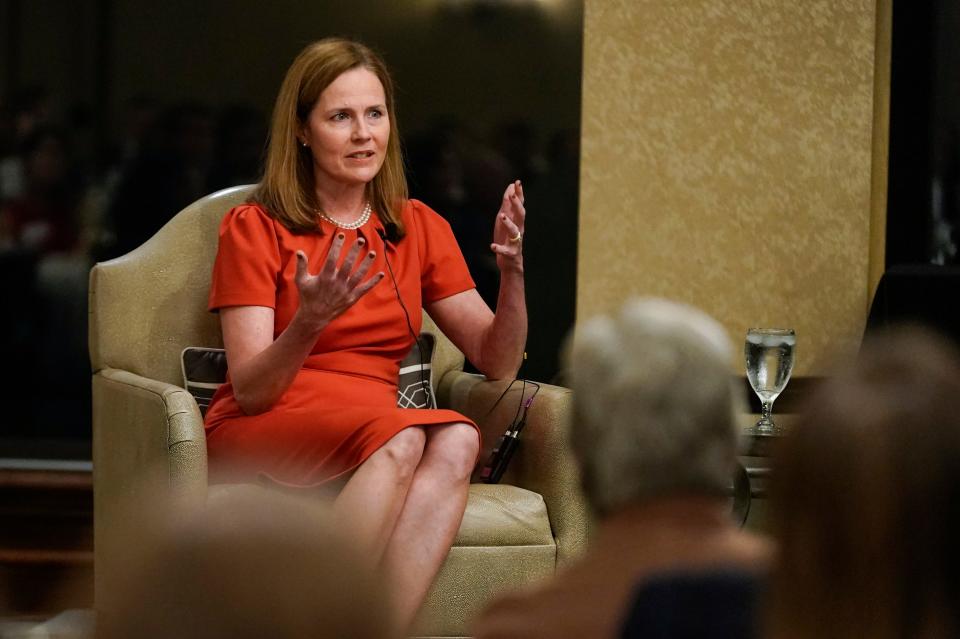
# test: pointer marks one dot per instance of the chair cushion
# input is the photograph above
(504, 515)
(505, 542)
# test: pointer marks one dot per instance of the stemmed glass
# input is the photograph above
(769, 353)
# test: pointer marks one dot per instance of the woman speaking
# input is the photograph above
(318, 281)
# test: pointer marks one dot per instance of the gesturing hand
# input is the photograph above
(333, 290)
(508, 229)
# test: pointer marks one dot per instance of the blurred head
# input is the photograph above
(251, 563)
(653, 404)
(325, 77)
(866, 498)
(45, 155)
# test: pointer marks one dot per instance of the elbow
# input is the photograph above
(495, 373)
(249, 403)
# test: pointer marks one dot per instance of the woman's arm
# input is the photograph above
(262, 368)
(494, 343)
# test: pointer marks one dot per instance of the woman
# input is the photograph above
(866, 498)
(314, 337)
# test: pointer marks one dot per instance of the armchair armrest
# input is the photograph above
(543, 462)
(146, 429)
(148, 446)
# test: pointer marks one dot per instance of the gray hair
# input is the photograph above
(654, 408)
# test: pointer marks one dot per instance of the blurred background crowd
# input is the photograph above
(96, 157)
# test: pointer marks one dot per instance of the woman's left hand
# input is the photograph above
(508, 229)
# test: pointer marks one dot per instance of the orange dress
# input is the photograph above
(342, 405)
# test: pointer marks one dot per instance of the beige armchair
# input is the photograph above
(148, 437)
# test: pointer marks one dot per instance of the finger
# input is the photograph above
(330, 266)
(507, 194)
(502, 249)
(517, 206)
(350, 260)
(301, 267)
(519, 191)
(361, 290)
(361, 271)
(512, 229)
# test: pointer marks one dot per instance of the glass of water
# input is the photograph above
(769, 353)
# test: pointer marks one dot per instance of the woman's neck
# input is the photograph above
(342, 202)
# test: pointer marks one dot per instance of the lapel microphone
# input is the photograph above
(390, 235)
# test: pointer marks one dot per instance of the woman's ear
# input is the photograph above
(301, 133)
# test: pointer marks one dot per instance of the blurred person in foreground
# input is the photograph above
(253, 563)
(866, 499)
(655, 439)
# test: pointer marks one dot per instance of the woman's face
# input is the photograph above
(348, 129)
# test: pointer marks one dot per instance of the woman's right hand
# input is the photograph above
(334, 289)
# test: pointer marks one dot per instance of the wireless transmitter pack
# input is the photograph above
(507, 445)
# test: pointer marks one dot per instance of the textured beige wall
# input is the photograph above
(727, 162)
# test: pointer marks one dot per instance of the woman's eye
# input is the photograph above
(376, 113)
(339, 117)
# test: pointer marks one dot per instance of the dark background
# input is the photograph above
(921, 282)
(923, 196)
(115, 114)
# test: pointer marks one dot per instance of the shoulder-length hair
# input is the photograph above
(287, 188)
(865, 499)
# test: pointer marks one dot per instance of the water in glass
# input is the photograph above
(769, 354)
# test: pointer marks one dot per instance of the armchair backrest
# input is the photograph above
(150, 304)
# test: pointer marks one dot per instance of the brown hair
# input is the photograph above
(866, 499)
(286, 190)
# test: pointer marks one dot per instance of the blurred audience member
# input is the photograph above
(139, 117)
(239, 150)
(696, 604)
(866, 500)
(518, 142)
(461, 175)
(29, 110)
(43, 217)
(42, 253)
(170, 172)
(252, 564)
(654, 436)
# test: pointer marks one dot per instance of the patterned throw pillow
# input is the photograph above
(205, 369)
(415, 386)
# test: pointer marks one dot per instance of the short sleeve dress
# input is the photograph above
(342, 405)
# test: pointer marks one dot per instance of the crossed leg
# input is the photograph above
(405, 504)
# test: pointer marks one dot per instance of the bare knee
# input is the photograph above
(455, 448)
(404, 451)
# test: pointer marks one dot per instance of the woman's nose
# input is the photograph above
(361, 130)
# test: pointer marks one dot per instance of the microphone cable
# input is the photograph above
(427, 388)
(507, 444)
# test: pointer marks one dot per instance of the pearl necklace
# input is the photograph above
(357, 223)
